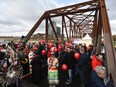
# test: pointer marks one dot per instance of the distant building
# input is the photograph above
(58, 30)
(50, 30)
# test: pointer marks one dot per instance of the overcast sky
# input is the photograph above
(17, 17)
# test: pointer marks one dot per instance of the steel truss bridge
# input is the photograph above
(79, 19)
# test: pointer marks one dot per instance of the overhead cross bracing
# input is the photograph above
(80, 19)
(79, 16)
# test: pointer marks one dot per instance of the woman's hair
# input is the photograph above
(99, 55)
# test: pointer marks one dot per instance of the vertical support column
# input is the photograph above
(73, 31)
(70, 30)
(94, 32)
(64, 23)
(46, 33)
(99, 35)
(110, 52)
(62, 29)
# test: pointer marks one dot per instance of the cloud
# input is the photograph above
(111, 7)
(113, 26)
(21, 15)
(17, 17)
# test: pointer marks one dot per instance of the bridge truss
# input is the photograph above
(80, 19)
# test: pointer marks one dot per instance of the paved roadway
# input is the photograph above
(27, 82)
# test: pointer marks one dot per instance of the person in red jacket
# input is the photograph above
(97, 60)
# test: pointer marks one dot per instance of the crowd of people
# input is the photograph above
(31, 58)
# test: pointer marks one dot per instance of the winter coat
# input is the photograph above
(96, 81)
(69, 59)
(95, 62)
(36, 69)
(83, 62)
(21, 55)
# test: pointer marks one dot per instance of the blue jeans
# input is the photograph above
(59, 54)
(76, 69)
(70, 75)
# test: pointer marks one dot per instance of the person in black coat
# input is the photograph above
(98, 78)
(70, 61)
(36, 69)
(83, 67)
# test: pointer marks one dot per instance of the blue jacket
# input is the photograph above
(83, 62)
(95, 81)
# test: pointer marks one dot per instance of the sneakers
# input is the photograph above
(52, 85)
(67, 82)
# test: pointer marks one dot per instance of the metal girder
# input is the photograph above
(35, 26)
(99, 35)
(85, 18)
(77, 11)
(46, 36)
(76, 6)
(94, 32)
(64, 23)
(73, 22)
(110, 51)
(62, 29)
(70, 30)
(67, 10)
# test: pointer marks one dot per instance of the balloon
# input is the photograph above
(77, 56)
(88, 48)
(43, 52)
(51, 45)
(64, 67)
(55, 50)
(43, 41)
(35, 48)
(60, 47)
(68, 44)
(0, 48)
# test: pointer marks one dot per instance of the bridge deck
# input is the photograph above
(27, 82)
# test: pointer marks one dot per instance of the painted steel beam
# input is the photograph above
(110, 52)
(35, 26)
(64, 23)
(74, 6)
(72, 13)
